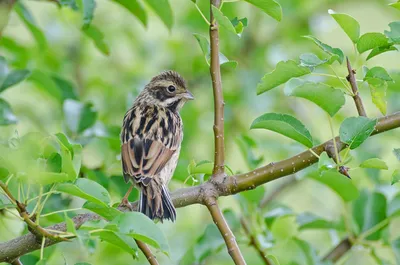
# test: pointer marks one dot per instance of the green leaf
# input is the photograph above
(328, 98)
(368, 210)
(254, 196)
(378, 50)
(141, 228)
(335, 52)
(135, 8)
(54, 163)
(44, 82)
(163, 10)
(27, 18)
(343, 186)
(14, 78)
(125, 242)
(71, 156)
(67, 88)
(45, 178)
(107, 212)
(79, 116)
(311, 60)
(276, 213)
(378, 88)
(70, 224)
(354, 131)
(284, 124)
(396, 152)
(394, 33)
(325, 162)
(88, 7)
(284, 71)
(274, 259)
(205, 48)
(396, 176)
(246, 145)
(370, 41)
(98, 38)
(312, 221)
(86, 189)
(349, 25)
(4, 173)
(222, 20)
(239, 25)
(270, 7)
(7, 116)
(374, 163)
(395, 5)
(377, 72)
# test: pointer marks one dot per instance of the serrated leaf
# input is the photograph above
(135, 8)
(222, 20)
(394, 33)
(374, 163)
(98, 38)
(311, 60)
(284, 124)
(205, 48)
(378, 88)
(368, 210)
(395, 176)
(86, 189)
(355, 130)
(370, 41)
(377, 72)
(88, 7)
(7, 116)
(343, 186)
(29, 22)
(284, 71)
(349, 25)
(140, 227)
(270, 7)
(335, 52)
(163, 10)
(326, 97)
(378, 50)
(14, 78)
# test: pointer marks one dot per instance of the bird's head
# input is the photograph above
(167, 90)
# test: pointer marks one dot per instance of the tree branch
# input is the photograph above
(215, 71)
(356, 96)
(341, 249)
(147, 252)
(254, 242)
(5, 9)
(226, 232)
(17, 247)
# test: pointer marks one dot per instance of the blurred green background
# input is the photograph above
(136, 53)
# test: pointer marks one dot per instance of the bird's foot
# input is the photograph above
(126, 204)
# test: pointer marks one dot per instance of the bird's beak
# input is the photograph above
(188, 95)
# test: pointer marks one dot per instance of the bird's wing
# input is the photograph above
(149, 141)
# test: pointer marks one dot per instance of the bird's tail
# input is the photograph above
(156, 203)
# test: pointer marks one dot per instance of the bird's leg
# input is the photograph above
(125, 201)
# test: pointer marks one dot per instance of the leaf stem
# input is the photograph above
(340, 79)
(42, 248)
(35, 198)
(202, 15)
(60, 211)
(373, 229)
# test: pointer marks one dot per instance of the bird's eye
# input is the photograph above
(171, 89)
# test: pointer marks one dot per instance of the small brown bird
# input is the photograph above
(151, 138)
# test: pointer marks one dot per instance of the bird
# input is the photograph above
(151, 138)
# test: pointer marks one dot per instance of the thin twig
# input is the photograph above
(225, 231)
(147, 252)
(341, 249)
(353, 83)
(215, 71)
(16, 247)
(254, 242)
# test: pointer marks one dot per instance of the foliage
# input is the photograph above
(68, 74)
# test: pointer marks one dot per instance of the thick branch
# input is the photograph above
(341, 249)
(356, 95)
(215, 71)
(254, 242)
(226, 232)
(14, 248)
(147, 252)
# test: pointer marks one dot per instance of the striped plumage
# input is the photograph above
(151, 138)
